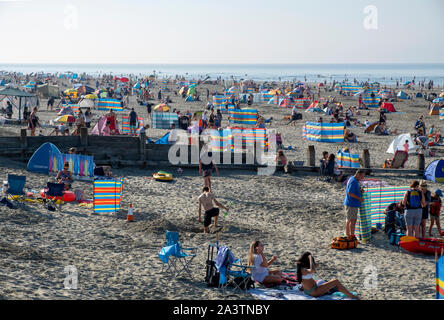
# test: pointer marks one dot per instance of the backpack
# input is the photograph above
(342, 243)
(414, 199)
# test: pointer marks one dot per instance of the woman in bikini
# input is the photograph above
(306, 266)
(260, 272)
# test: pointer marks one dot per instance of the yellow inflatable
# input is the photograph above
(163, 176)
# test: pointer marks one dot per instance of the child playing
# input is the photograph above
(435, 208)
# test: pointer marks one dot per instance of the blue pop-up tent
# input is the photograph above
(435, 171)
(163, 140)
(40, 160)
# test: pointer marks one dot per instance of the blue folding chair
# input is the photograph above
(232, 272)
(54, 190)
(15, 191)
(175, 259)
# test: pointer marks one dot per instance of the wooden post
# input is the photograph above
(23, 141)
(142, 146)
(421, 163)
(311, 156)
(366, 158)
(84, 136)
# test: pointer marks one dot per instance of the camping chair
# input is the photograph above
(232, 272)
(175, 259)
(15, 190)
(54, 190)
(399, 159)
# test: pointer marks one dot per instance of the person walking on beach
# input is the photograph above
(206, 169)
(260, 272)
(352, 202)
(133, 122)
(413, 202)
(206, 200)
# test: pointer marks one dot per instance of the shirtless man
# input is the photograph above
(206, 201)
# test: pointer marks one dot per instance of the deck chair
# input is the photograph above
(399, 159)
(232, 272)
(176, 259)
(54, 190)
(15, 191)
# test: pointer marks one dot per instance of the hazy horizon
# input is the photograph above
(228, 32)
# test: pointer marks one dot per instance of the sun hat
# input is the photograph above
(438, 192)
(423, 184)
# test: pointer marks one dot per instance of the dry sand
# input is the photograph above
(289, 213)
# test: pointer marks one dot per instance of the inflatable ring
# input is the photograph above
(163, 176)
(68, 196)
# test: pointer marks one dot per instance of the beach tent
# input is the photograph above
(435, 171)
(438, 100)
(86, 103)
(161, 108)
(323, 132)
(47, 91)
(40, 160)
(402, 95)
(2, 82)
(388, 106)
(398, 143)
(101, 124)
(189, 99)
(419, 95)
(22, 95)
(163, 140)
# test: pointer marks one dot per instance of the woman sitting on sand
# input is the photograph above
(65, 176)
(306, 266)
(260, 272)
(281, 159)
(349, 136)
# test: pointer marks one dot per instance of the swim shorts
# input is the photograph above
(351, 212)
(214, 212)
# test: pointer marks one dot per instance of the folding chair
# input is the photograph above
(15, 191)
(232, 272)
(53, 191)
(175, 259)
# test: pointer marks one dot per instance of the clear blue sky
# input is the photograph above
(225, 31)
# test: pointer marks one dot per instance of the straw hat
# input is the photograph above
(423, 184)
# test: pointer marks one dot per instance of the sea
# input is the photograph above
(385, 73)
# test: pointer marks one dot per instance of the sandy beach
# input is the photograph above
(290, 214)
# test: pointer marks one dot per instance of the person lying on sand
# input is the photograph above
(306, 266)
(260, 272)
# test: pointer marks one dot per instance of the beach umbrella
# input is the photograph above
(124, 79)
(407, 83)
(438, 100)
(66, 118)
(161, 108)
(320, 84)
(103, 94)
(441, 95)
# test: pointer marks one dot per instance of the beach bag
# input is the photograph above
(344, 243)
(414, 199)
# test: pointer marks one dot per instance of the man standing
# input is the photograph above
(133, 122)
(206, 201)
(352, 202)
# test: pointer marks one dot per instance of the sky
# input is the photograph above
(221, 32)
